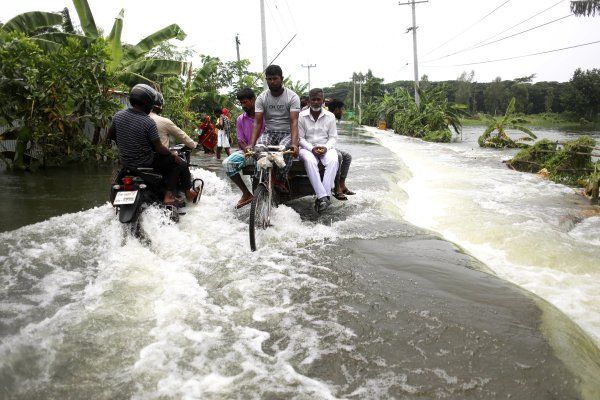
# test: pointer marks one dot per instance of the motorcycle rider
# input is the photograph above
(166, 127)
(139, 144)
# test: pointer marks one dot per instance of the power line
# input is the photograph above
(481, 19)
(499, 40)
(291, 15)
(515, 57)
(522, 22)
(274, 20)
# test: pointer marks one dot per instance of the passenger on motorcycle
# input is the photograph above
(166, 127)
(139, 144)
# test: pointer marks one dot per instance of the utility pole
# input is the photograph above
(353, 95)
(414, 32)
(263, 30)
(237, 45)
(309, 66)
(360, 82)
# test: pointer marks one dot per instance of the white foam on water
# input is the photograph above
(193, 310)
(524, 228)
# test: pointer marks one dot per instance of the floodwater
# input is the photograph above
(359, 303)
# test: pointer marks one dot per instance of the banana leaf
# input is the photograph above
(156, 66)
(61, 38)
(86, 18)
(202, 74)
(172, 31)
(114, 42)
(47, 45)
(31, 21)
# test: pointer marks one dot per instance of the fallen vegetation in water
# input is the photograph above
(569, 163)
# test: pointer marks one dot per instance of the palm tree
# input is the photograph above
(499, 125)
(585, 8)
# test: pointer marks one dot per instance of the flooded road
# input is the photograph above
(356, 304)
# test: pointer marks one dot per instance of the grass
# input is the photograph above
(545, 120)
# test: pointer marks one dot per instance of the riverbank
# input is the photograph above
(545, 121)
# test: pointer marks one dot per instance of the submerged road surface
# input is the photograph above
(355, 304)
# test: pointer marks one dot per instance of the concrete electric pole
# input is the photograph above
(263, 30)
(415, 60)
(309, 66)
(237, 45)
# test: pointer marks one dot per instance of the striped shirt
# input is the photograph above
(135, 132)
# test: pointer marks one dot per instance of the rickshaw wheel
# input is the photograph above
(259, 213)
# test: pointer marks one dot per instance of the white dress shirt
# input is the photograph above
(322, 132)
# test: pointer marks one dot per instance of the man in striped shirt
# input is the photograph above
(139, 143)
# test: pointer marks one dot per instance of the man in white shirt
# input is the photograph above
(317, 132)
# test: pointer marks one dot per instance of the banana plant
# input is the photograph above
(495, 134)
(297, 87)
(128, 62)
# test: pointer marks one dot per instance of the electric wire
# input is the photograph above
(274, 20)
(471, 26)
(515, 57)
(520, 23)
(499, 40)
(291, 15)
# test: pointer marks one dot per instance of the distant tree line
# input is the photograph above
(577, 99)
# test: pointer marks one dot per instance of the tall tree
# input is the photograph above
(583, 94)
(585, 8)
(464, 88)
(495, 96)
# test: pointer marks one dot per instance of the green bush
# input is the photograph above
(441, 136)
(570, 165)
(534, 158)
(49, 97)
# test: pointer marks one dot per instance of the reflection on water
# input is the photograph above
(28, 198)
(357, 303)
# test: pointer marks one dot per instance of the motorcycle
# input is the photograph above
(135, 189)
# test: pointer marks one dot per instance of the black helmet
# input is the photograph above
(159, 102)
(143, 96)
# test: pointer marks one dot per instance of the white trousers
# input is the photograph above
(222, 139)
(311, 164)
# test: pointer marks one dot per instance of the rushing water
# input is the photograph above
(357, 303)
(540, 235)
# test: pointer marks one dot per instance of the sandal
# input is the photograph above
(349, 192)
(241, 203)
(340, 196)
(175, 203)
(197, 196)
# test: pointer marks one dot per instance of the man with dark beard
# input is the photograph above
(236, 161)
(280, 107)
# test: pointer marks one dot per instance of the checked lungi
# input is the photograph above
(282, 138)
(236, 162)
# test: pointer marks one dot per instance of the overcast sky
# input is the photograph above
(345, 36)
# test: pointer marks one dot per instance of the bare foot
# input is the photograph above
(168, 199)
(244, 200)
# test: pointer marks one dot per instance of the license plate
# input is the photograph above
(125, 197)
